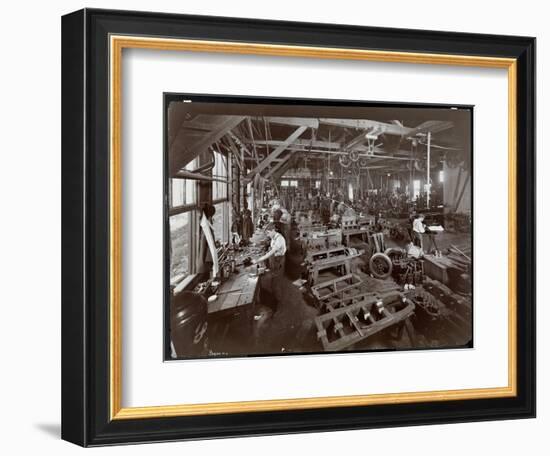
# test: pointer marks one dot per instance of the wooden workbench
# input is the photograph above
(437, 268)
(242, 299)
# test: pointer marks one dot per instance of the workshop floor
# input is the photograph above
(292, 328)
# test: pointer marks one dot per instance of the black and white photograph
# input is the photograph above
(275, 228)
(315, 226)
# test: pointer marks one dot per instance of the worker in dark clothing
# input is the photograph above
(248, 226)
(272, 281)
(207, 260)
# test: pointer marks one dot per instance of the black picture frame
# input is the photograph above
(86, 388)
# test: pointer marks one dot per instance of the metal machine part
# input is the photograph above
(380, 266)
(441, 315)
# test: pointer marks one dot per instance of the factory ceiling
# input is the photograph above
(269, 145)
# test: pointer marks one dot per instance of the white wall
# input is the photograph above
(30, 225)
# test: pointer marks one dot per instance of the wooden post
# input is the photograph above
(235, 186)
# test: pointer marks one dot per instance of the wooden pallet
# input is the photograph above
(346, 296)
(342, 327)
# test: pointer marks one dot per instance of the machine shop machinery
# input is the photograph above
(349, 322)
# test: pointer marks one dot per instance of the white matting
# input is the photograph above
(149, 381)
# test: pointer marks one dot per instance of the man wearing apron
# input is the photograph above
(418, 230)
(276, 257)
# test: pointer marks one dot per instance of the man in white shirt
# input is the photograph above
(282, 217)
(276, 257)
(418, 230)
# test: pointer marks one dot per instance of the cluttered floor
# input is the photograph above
(442, 316)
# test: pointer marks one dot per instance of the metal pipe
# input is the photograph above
(184, 174)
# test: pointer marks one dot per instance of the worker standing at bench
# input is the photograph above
(418, 231)
(281, 218)
(276, 256)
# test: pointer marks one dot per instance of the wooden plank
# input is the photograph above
(294, 121)
(433, 126)
(236, 153)
(279, 165)
(182, 150)
(228, 300)
(298, 142)
(363, 124)
(280, 172)
(275, 154)
(357, 141)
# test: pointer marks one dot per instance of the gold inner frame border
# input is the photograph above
(116, 46)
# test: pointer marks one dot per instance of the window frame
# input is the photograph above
(193, 224)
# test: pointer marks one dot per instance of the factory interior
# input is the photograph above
(305, 228)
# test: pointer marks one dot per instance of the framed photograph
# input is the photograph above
(345, 189)
(275, 227)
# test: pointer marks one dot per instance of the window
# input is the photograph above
(182, 203)
(289, 183)
(317, 184)
(220, 222)
(249, 199)
(441, 176)
(183, 192)
(180, 237)
(219, 189)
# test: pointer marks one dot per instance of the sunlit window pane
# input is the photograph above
(179, 245)
(219, 189)
(183, 191)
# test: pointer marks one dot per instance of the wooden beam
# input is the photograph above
(283, 169)
(183, 149)
(306, 143)
(390, 129)
(202, 122)
(274, 169)
(249, 123)
(236, 153)
(294, 121)
(239, 142)
(433, 126)
(275, 154)
(301, 142)
(225, 126)
(357, 141)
